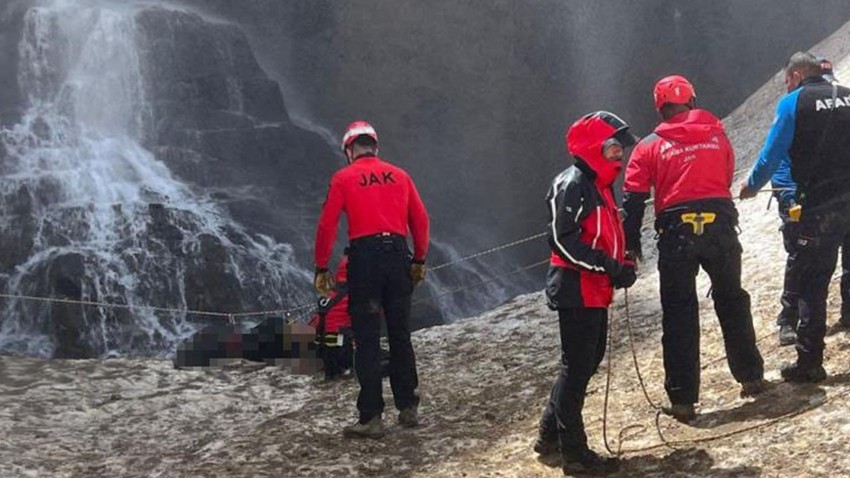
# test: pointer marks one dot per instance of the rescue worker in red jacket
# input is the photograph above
(333, 327)
(587, 262)
(382, 205)
(689, 162)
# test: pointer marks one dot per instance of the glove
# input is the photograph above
(323, 281)
(634, 255)
(626, 276)
(417, 272)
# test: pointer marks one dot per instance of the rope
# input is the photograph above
(309, 307)
(651, 201)
(674, 444)
(488, 251)
(108, 305)
(635, 427)
(482, 282)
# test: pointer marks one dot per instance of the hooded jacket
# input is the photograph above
(585, 232)
(689, 161)
(688, 157)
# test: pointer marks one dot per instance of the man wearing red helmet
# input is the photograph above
(382, 205)
(587, 262)
(689, 162)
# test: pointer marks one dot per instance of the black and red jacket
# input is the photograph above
(690, 163)
(378, 198)
(585, 231)
(332, 314)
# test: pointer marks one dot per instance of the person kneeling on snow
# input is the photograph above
(334, 336)
(587, 264)
(333, 327)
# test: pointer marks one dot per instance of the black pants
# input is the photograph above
(821, 234)
(337, 358)
(379, 284)
(791, 290)
(718, 251)
(583, 336)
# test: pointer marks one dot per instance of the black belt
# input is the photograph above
(383, 240)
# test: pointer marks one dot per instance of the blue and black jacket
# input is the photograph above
(808, 148)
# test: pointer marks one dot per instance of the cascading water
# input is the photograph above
(88, 213)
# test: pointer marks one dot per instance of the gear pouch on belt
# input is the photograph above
(698, 220)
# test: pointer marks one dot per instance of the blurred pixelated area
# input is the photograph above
(272, 342)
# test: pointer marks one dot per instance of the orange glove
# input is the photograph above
(324, 282)
(417, 272)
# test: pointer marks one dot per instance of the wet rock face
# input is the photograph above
(89, 213)
(203, 76)
(218, 121)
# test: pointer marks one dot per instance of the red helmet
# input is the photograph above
(357, 129)
(673, 89)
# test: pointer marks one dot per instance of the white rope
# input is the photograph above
(486, 252)
(231, 317)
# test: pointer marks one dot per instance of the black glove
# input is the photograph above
(635, 255)
(626, 276)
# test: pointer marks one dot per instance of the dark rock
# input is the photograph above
(218, 121)
(68, 325)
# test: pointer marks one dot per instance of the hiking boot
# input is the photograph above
(787, 335)
(588, 462)
(409, 417)
(374, 429)
(753, 388)
(545, 446)
(796, 373)
(683, 412)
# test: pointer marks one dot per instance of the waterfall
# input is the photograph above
(89, 213)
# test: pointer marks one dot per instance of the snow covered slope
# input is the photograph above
(484, 382)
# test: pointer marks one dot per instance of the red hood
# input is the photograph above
(694, 126)
(585, 143)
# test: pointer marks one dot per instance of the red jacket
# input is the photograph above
(336, 316)
(586, 233)
(377, 197)
(687, 158)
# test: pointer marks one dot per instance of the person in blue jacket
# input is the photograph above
(785, 190)
(807, 151)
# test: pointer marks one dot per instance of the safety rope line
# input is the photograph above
(309, 307)
(108, 305)
(486, 252)
(651, 200)
(482, 282)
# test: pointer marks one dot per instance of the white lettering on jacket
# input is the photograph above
(826, 104)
